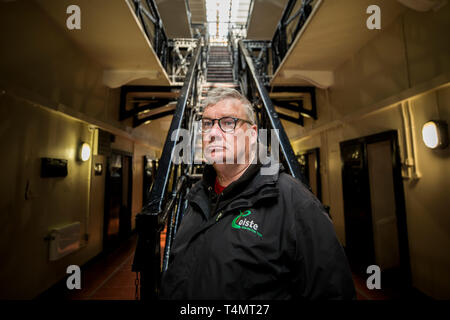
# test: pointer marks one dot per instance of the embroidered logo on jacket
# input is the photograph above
(244, 223)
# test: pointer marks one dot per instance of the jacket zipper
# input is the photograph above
(215, 206)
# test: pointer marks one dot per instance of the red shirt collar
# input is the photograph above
(217, 187)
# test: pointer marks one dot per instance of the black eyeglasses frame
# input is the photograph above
(220, 126)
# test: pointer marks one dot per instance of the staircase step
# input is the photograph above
(220, 77)
(218, 84)
(217, 67)
(220, 69)
(220, 72)
(221, 80)
(220, 65)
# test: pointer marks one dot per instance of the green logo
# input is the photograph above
(243, 223)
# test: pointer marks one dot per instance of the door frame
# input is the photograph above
(106, 244)
(400, 207)
(316, 152)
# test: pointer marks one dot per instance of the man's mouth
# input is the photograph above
(215, 147)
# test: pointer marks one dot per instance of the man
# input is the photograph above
(248, 235)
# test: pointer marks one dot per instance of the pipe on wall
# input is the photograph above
(409, 163)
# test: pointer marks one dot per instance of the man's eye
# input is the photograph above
(229, 123)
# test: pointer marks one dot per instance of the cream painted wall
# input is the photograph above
(38, 56)
(49, 91)
(29, 133)
(39, 66)
(427, 203)
(408, 61)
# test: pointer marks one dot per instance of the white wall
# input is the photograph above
(408, 61)
(32, 205)
(49, 90)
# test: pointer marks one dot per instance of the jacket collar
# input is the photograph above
(251, 187)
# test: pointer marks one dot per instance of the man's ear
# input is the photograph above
(254, 133)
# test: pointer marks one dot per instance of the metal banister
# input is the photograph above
(273, 121)
(280, 43)
(159, 38)
(156, 212)
(162, 175)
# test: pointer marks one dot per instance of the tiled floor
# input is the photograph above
(106, 277)
(109, 277)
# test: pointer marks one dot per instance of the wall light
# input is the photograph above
(435, 134)
(84, 152)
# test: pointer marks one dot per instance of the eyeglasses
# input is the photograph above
(226, 124)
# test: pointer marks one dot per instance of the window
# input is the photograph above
(225, 15)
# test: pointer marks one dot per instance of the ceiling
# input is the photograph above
(112, 36)
(264, 18)
(198, 11)
(175, 18)
(334, 32)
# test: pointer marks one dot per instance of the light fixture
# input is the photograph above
(98, 169)
(435, 134)
(84, 152)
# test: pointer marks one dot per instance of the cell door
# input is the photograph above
(118, 191)
(375, 218)
(357, 209)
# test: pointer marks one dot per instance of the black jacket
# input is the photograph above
(264, 237)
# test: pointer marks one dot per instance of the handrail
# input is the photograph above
(162, 176)
(172, 217)
(272, 121)
(168, 209)
(280, 45)
(159, 39)
(157, 211)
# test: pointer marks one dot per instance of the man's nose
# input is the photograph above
(215, 130)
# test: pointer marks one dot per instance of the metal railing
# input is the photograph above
(148, 14)
(166, 207)
(290, 24)
(253, 88)
(163, 207)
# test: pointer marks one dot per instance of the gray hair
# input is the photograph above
(219, 94)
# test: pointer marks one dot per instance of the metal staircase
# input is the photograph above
(219, 73)
(219, 65)
(167, 197)
(202, 67)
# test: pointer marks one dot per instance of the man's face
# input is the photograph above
(228, 147)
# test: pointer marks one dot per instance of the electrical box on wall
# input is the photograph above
(51, 168)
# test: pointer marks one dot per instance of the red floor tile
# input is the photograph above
(111, 278)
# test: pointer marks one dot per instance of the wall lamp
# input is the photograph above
(84, 151)
(435, 134)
